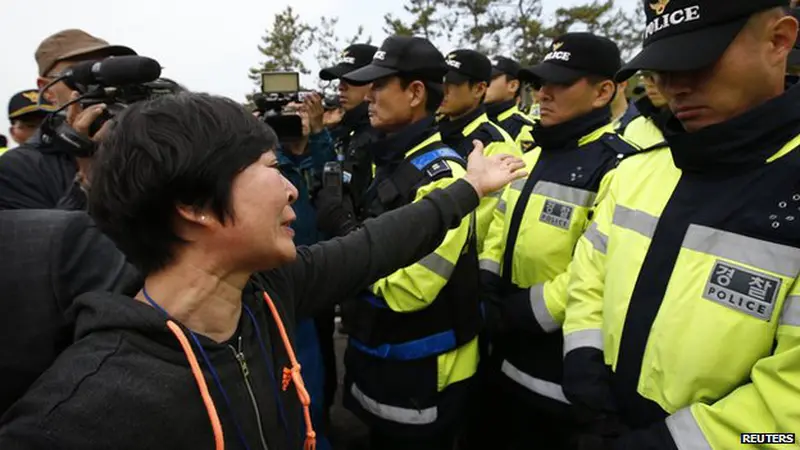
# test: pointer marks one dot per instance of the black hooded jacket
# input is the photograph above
(126, 382)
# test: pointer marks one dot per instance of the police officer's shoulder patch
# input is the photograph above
(527, 146)
(438, 169)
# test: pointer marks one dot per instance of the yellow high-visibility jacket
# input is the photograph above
(686, 287)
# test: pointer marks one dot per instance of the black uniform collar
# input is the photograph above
(394, 147)
(455, 128)
(744, 141)
(566, 135)
(495, 109)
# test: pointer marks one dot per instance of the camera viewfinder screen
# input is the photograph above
(278, 83)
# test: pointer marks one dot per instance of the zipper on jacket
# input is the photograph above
(239, 355)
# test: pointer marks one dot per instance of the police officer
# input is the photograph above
(354, 135)
(535, 228)
(336, 211)
(502, 99)
(26, 115)
(647, 129)
(683, 315)
(413, 346)
(465, 120)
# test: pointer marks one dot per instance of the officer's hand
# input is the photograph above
(490, 174)
(313, 107)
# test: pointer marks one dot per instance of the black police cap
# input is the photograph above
(574, 56)
(467, 65)
(402, 55)
(505, 66)
(683, 35)
(352, 58)
(26, 103)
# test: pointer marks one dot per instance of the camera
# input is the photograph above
(117, 98)
(330, 102)
(116, 81)
(279, 89)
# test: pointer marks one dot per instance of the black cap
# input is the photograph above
(505, 66)
(25, 103)
(573, 56)
(467, 65)
(402, 54)
(353, 57)
(683, 35)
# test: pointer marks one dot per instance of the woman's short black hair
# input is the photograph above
(183, 149)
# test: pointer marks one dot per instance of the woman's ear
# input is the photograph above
(195, 216)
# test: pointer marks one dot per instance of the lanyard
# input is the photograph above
(217, 379)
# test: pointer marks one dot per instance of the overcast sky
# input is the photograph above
(205, 45)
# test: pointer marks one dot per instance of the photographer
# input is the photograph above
(202, 356)
(41, 173)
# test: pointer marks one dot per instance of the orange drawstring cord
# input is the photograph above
(293, 374)
(216, 426)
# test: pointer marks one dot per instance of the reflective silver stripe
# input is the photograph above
(583, 338)
(540, 311)
(765, 255)
(597, 238)
(489, 266)
(542, 387)
(686, 432)
(501, 206)
(635, 220)
(438, 265)
(518, 184)
(565, 193)
(496, 194)
(791, 311)
(395, 413)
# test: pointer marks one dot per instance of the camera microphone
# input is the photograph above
(115, 71)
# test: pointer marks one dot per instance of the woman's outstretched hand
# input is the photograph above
(488, 174)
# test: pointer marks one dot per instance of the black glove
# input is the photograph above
(335, 212)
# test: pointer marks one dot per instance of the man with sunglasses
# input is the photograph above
(41, 173)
